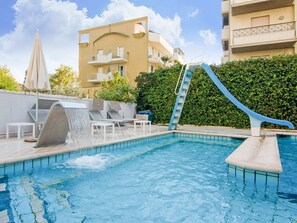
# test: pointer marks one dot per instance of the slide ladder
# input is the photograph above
(181, 95)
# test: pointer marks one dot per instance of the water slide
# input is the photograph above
(255, 118)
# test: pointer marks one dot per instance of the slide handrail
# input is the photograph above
(176, 86)
(241, 106)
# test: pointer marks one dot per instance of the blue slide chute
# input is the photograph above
(255, 118)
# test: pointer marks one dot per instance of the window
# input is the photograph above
(152, 68)
(120, 51)
(84, 38)
(100, 52)
(150, 51)
(121, 70)
(225, 45)
(260, 21)
(140, 27)
(225, 20)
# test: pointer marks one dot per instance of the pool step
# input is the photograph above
(30, 209)
(35, 203)
(3, 210)
(4, 200)
(4, 216)
(257, 153)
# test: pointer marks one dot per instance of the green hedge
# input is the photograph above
(267, 86)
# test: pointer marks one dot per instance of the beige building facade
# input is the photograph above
(127, 47)
(258, 28)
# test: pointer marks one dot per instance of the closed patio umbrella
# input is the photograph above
(37, 76)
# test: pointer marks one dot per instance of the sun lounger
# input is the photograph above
(114, 113)
(44, 106)
(96, 113)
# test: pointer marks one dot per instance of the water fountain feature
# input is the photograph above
(66, 119)
(79, 126)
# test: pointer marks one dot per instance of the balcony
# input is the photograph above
(226, 56)
(158, 42)
(248, 6)
(275, 36)
(99, 77)
(110, 58)
(226, 33)
(179, 58)
(225, 7)
(155, 60)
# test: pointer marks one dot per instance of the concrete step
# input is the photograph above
(257, 153)
(4, 200)
(30, 209)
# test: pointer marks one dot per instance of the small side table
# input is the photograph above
(143, 123)
(19, 125)
(104, 125)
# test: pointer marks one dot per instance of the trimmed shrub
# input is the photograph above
(267, 86)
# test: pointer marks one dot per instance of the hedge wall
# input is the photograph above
(267, 86)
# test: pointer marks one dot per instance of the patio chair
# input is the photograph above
(114, 113)
(44, 106)
(97, 116)
(96, 112)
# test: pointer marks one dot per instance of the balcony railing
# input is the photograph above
(240, 7)
(226, 33)
(155, 59)
(99, 77)
(225, 6)
(109, 58)
(264, 29)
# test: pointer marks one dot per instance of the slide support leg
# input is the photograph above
(255, 126)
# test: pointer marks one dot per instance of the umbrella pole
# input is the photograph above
(36, 115)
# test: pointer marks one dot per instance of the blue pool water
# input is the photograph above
(175, 179)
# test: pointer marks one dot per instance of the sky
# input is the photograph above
(192, 25)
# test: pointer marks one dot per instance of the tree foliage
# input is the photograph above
(117, 89)
(7, 81)
(65, 82)
(267, 86)
(165, 59)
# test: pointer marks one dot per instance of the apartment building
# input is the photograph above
(127, 47)
(258, 28)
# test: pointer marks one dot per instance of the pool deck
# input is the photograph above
(248, 155)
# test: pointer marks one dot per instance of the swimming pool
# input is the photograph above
(173, 178)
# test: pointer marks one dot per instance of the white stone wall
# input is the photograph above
(14, 106)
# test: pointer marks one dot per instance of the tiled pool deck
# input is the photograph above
(15, 150)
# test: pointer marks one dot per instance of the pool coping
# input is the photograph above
(68, 149)
(31, 161)
(72, 148)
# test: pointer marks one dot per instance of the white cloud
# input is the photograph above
(59, 22)
(193, 14)
(208, 37)
(210, 54)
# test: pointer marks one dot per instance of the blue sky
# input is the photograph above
(192, 25)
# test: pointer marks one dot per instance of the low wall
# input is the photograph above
(14, 106)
